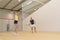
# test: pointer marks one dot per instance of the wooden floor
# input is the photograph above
(30, 36)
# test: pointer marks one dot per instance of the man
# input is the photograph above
(32, 22)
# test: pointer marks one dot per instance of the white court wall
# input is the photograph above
(47, 17)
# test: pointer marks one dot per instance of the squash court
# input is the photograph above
(29, 20)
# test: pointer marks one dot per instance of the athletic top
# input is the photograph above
(32, 21)
(16, 17)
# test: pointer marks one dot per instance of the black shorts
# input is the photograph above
(15, 22)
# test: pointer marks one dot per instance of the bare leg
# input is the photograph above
(16, 28)
(35, 29)
(32, 29)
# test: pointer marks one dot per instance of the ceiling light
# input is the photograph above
(35, 9)
(19, 0)
(29, 2)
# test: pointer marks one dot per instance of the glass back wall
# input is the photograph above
(6, 22)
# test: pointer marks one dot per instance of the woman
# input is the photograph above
(16, 19)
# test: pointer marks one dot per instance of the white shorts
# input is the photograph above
(33, 25)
